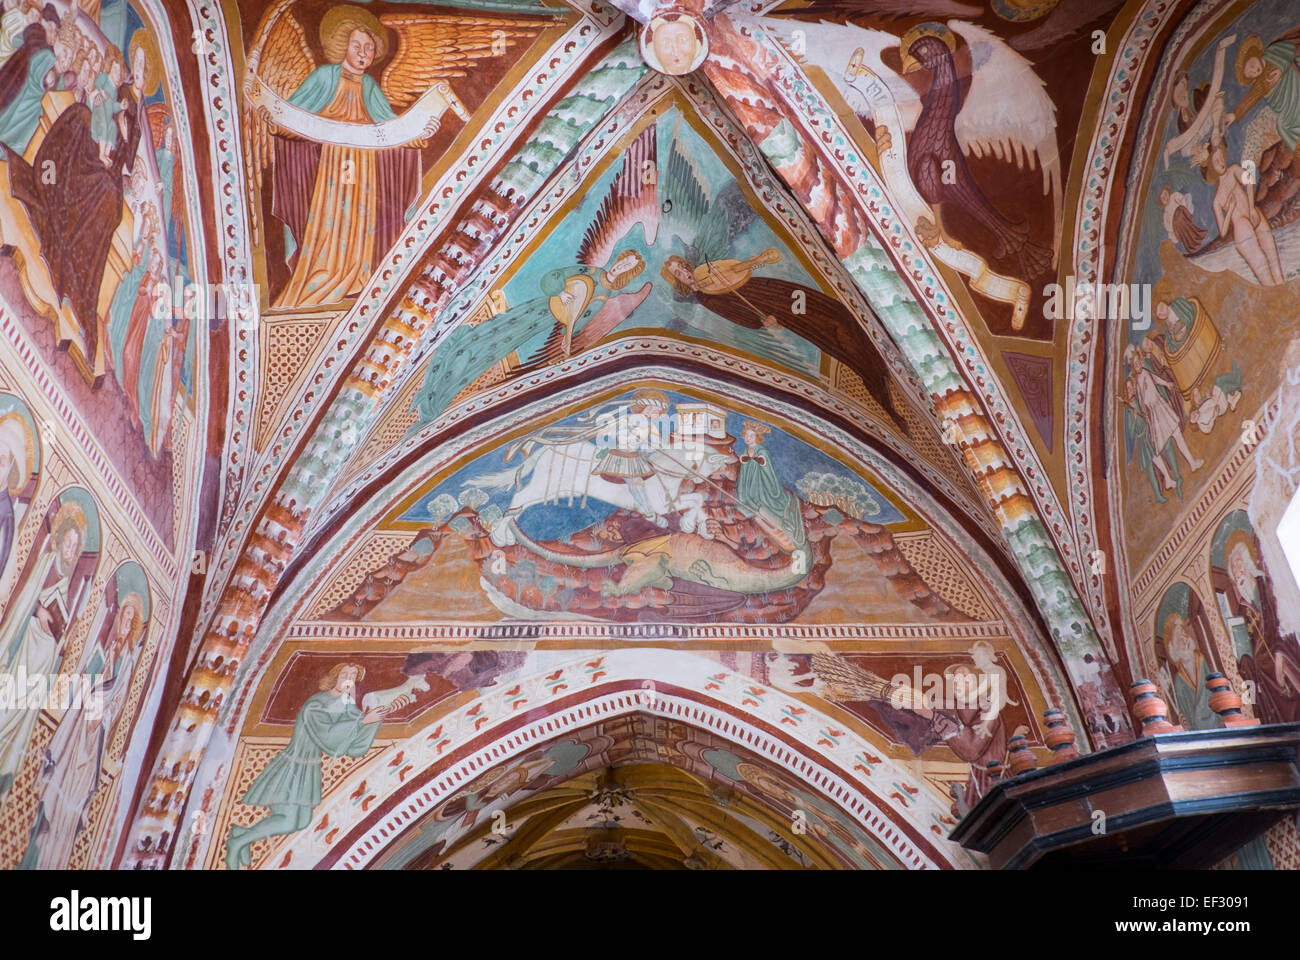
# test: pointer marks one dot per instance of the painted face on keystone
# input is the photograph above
(676, 44)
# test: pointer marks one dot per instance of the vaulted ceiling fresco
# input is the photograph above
(545, 434)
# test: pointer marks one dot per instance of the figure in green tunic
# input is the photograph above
(761, 494)
(329, 723)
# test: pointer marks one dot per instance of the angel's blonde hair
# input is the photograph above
(336, 44)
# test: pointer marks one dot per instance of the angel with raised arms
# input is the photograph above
(345, 148)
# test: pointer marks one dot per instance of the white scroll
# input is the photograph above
(420, 121)
(893, 166)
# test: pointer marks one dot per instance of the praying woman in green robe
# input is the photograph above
(761, 494)
(329, 723)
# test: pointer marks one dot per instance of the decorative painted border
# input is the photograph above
(603, 632)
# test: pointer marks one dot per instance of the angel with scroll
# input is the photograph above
(580, 304)
(343, 205)
(942, 93)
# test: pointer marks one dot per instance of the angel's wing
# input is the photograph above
(631, 200)
(826, 45)
(848, 681)
(1008, 112)
(438, 47)
(282, 59)
(691, 216)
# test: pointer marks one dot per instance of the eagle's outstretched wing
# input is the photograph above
(825, 43)
(631, 200)
(282, 59)
(846, 682)
(433, 47)
(1008, 112)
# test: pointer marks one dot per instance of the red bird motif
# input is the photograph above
(556, 675)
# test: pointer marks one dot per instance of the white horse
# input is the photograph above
(556, 472)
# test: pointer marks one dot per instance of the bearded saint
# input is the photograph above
(343, 206)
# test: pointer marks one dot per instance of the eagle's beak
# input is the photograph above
(910, 63)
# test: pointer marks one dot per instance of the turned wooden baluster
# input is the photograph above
(1150, 710)
(1226, 702)
(1021, 757)
(1059, 735)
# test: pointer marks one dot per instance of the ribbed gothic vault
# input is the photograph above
(544, 434)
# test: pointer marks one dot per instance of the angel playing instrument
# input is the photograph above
(581, 289)
(724, 276)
